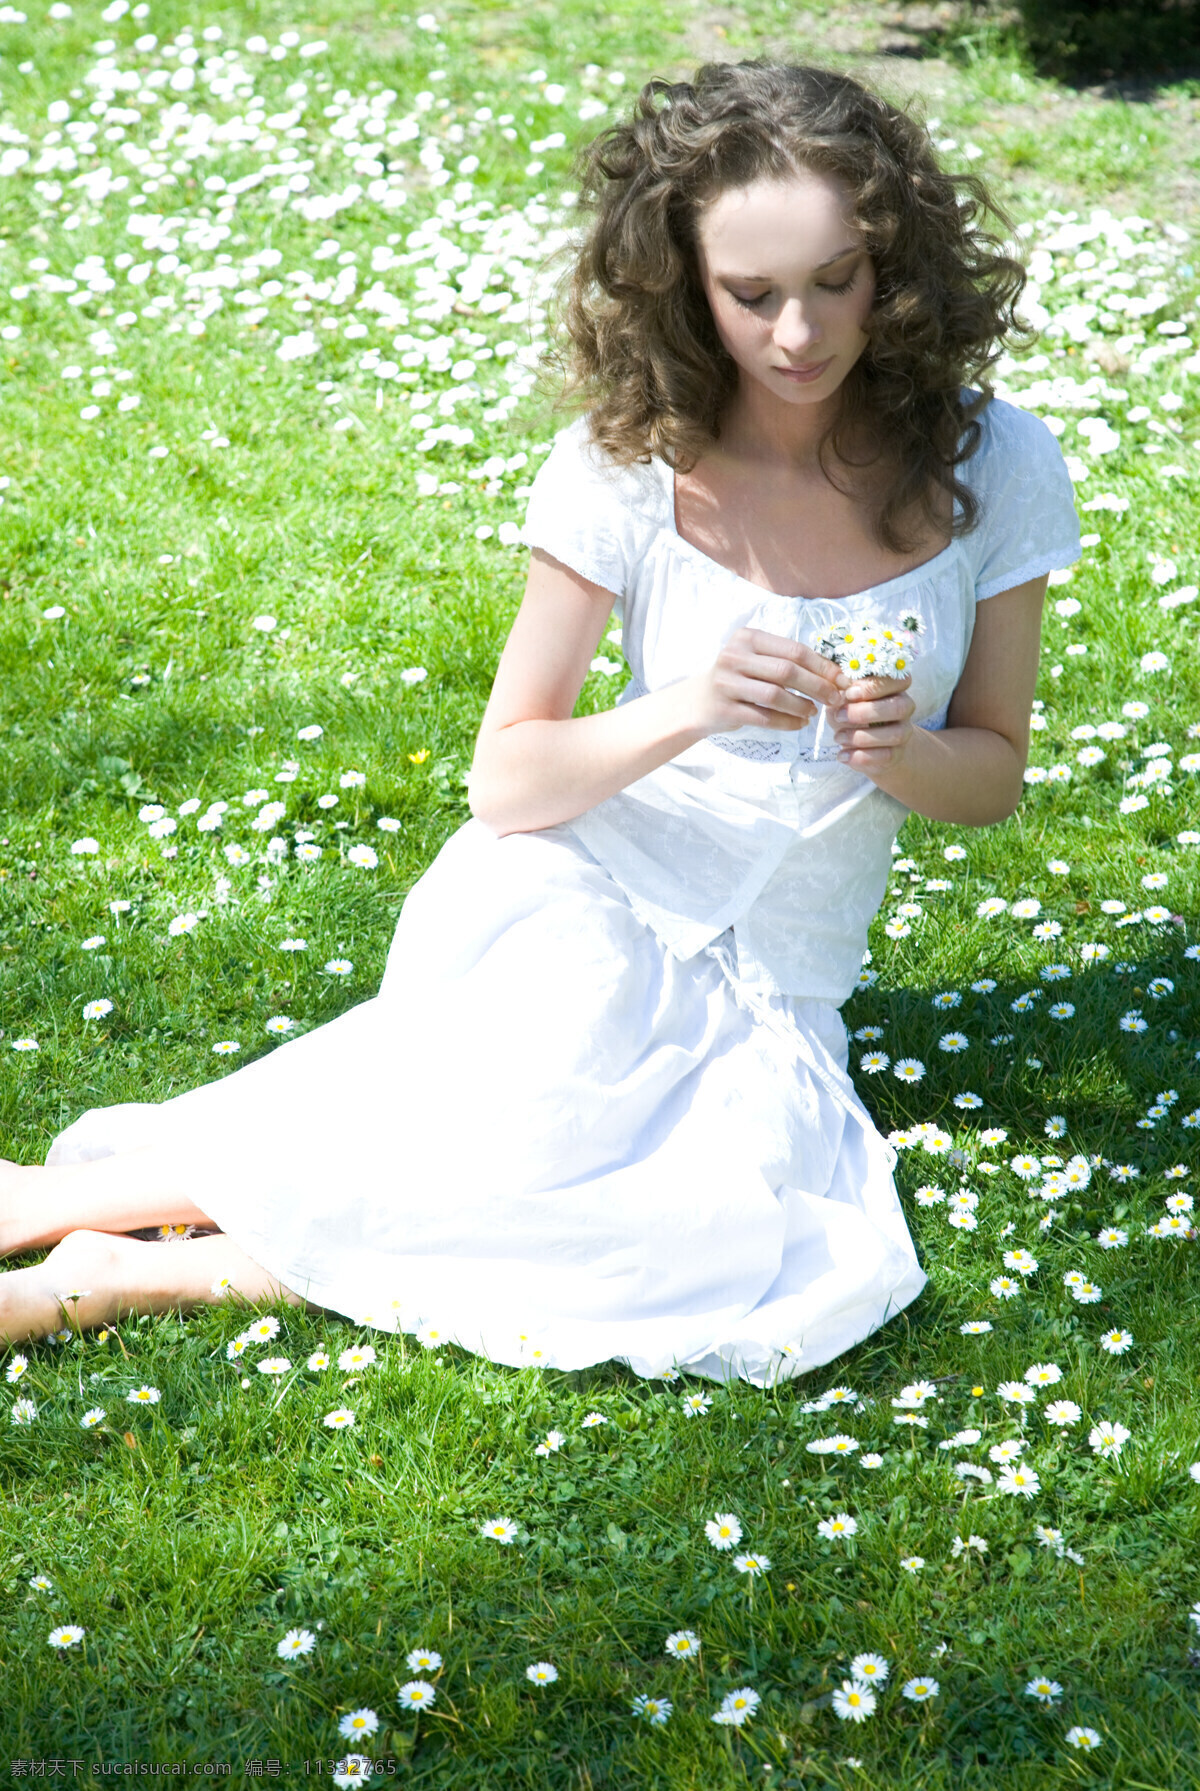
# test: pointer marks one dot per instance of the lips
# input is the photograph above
(815, 368)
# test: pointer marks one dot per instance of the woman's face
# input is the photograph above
(788, 282)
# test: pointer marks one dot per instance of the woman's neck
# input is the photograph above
(759, 429)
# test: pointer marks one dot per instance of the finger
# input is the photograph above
(872, 762)
(791, 676)
(774, 699)
(776, 720)
(851, 739)
(774, 678)
(870, 689)
(797, 653)
(868, 715)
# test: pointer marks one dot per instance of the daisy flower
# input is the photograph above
(912, 1563)
(355, 1769)
(40, 1583)
(683, 1644)
(908, 1069)
(67, 1635)
(871, 1669)
(1107, 1438)
(339, 1419)
(143, 1396)
(752, 1564)
(359, 1355)
(839, 1445)
(499, 1529)
(837, 1528)
(1021, 1261)
(318, 1361)
(695, 1405)
(1079, 1737)
(1018, 1480)
(1043, 1374)
(262, 1330)
(296, 1641)
(654, 1710)
(274, 1365)
(423, 1660)
(358, 1722)
(737, 1705)
(920, 1690)
(1063, 1412)
(723, 1531)
(1116, 1342)
(418, 1694)
(1046, 1691)
(592, 1419)
(975, 1327)
(963, 1545)
(853, 1702)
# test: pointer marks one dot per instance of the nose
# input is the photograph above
(796, 334)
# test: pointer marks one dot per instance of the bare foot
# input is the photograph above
(94, 1278)
(19, 1206)
(75, 1277)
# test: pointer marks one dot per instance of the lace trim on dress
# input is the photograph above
(770, 750)
(774, 752)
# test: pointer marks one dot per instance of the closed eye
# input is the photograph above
(750, 304)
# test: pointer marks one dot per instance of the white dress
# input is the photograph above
(599, 1107)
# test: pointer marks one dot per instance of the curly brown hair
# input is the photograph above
(643, 350)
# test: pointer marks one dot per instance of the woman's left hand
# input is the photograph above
(873, 725)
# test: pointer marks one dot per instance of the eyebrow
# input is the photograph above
(854, 249)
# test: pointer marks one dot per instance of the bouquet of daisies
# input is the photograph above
(869, 650)
(872, 649)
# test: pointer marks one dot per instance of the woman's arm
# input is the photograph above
(536, 764)
(972, 771)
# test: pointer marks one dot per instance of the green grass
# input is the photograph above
(228, 1515)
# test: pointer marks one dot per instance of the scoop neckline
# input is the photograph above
(667, 482)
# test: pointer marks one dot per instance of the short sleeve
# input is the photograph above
(1027, 523)
(579, 511)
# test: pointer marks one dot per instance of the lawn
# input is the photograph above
(277, 290)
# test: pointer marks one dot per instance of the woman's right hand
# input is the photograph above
(766, 681)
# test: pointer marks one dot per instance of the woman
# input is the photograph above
(599, 1108)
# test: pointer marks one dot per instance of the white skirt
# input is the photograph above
(550, 1141)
